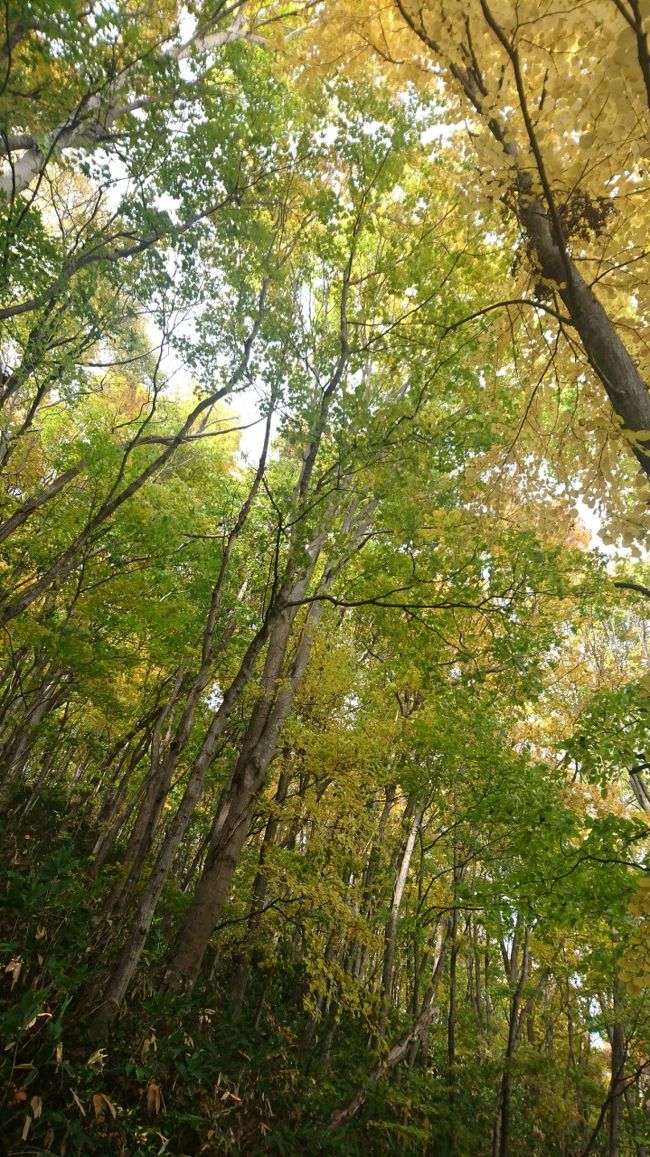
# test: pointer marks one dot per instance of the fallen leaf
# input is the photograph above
(111, 1107)
(149, 1043)
(79, 1104)
(14, 968)
(154, 1100)
(37, 1107)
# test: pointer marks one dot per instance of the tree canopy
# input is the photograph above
(324, 459)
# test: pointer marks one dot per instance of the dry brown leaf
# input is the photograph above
(154, 1099)
(26, 1127)
(111, 1107)
(14, 968)
(98, 1106)
(78, 1103)
(37, 1107)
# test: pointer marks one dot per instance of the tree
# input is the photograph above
(325, 760)
(557, 147)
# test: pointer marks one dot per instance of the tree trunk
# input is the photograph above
(451, 1015)
(538, 215)
(403, 1047)
(233, 819)
(517, 982)
(396, 903)
(617, 1082)
(121, 977)
(243, 964)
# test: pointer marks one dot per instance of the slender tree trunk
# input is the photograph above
(451, 1015)
(396, 903)
(68, 560)
(517, 982)
(243, 964)
(121, 977)
(113, 814)
(16, 750)
(617, 1082)
(641, 1150)
(276, 628)
(402, 1048)
(23, 512)
(152, 801)
(233, 820)
(259, 745)
(166, 752)
(114, 761)
(95, 116)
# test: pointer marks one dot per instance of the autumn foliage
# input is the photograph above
(324, 460)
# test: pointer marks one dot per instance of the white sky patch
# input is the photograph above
(187, 25)
(214, 697)
(593, 523)
(170, 205)
(441, 132)
(244, 405)
(328, 135)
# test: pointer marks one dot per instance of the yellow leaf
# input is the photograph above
(97, 1059)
